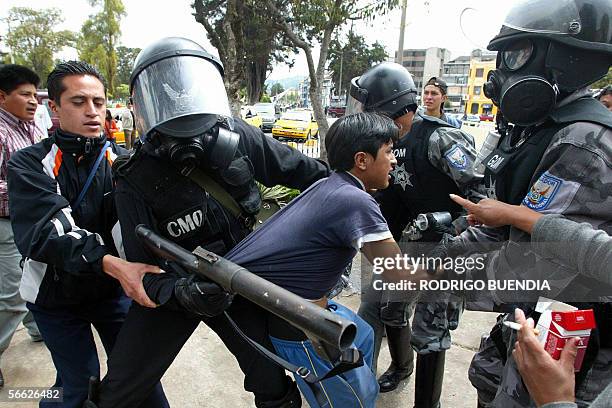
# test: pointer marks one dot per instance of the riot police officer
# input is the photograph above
(434, 160)
(553, 157)
(192, 180)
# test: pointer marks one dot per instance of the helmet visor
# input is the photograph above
(184, 87)
(545, 17)
(356, 99)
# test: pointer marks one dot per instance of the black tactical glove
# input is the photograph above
(204, 298)
(438, 226)
(441, 250)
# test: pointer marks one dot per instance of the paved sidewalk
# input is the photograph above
(206, 375)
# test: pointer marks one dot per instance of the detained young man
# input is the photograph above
(305, 247)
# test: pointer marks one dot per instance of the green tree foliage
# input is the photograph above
(99, 37)
(276, 89)
(125, 62)
(122, 92)
(307, 22)
(607, 80)
(353, 58)
(33, 39)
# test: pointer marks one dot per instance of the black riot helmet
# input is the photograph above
(584, 24)
(547, 49)
(180, 101)
(386, 88)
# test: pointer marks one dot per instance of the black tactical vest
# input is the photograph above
(510, 169)
(184, 212)
(422, 186)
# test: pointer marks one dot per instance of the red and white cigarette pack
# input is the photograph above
(560, 322)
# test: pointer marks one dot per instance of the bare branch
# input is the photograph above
(298, 42)
(201, 12)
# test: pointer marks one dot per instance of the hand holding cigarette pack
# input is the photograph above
(560, 322)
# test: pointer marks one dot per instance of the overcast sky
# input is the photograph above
(429, 23)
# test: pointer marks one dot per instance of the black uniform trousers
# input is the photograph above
(150, 339)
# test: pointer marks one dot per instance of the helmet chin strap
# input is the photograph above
(502, 125)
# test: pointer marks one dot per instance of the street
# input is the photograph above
(206, 375)
(478, 131)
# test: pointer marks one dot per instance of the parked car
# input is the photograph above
(250, 116)
(486, 117)
(119, 137)
(336, 111)
(267, 111)
(471, 120)
(296, 124)
(42, 96)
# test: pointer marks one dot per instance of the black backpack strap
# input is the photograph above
(221, 195)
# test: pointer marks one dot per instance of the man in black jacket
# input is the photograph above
(193, 182)
(62, 214)
(434, 159)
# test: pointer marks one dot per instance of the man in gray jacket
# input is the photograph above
(127, 122)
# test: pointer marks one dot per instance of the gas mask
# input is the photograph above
(519, 86)
(213, 149)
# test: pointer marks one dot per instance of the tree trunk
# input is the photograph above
(255, 78)
(316, 92)
(232, 76)
(316, 76)
(227, 50)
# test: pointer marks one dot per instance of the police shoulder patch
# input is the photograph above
(542, 192)
(456, 158)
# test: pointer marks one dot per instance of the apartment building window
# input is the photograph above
(477, 90)
(479, 72)
(474, 109)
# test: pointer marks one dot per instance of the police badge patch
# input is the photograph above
(401, 176)
(457, 158)
(542, 192)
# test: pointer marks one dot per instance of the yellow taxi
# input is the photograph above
(119, 137)
(296, 124)
(250, 116)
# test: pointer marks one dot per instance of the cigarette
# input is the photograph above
(516, 326)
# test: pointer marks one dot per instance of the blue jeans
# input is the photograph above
(68, 336)
(356, 388)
